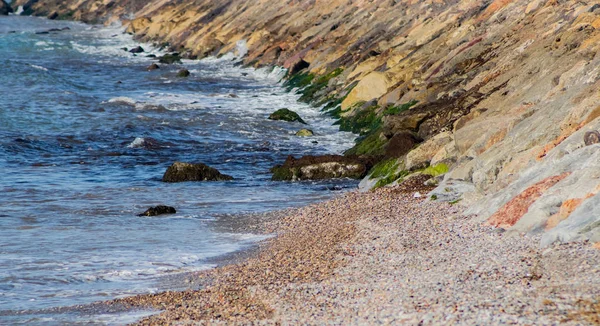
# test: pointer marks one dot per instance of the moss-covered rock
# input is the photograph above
(321, 167)
(170, 58)
(181, 172)
(305, 133)
(183, 73)
(286, 115)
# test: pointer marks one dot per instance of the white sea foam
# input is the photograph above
(137, 142)
(39, 67)
(19, 10)
(241, 47)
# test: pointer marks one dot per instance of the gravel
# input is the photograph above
(388, 258)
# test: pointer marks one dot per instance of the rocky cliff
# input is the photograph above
(501, 97)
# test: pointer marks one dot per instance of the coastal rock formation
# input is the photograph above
(181, 172)
(5, 8)
(158, 210)
(511, 84)
(321, 167)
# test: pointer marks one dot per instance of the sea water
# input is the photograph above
(85, 136)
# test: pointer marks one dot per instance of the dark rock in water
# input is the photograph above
(170, 58)
(322, 167)
(125, 49)
(153, 66)
(591, 137)
(159, 210)
(181, 172)
(137, 49)
(286, 115)
(5, 9)
(183, 73)
(233, 96)
(53, 15)
(151, 56)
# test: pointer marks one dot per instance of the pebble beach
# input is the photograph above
(386, 257)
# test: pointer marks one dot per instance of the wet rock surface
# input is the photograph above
(158, 210)
(183, 73)
(152, 67)
(182, 172)
(286, 115)
(321, 167)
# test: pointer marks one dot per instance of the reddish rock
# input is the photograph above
(512, 212)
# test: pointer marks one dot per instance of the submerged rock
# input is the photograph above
(305, 133)
(158, 210)
(286, 115)
(137, 49)
(321, 167)
(181, 172)
(170, 58)
(183, 73)
(153, 66)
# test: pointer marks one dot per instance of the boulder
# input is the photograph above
(138, 24)
(305, 133)
(137, 49)
(286, 115)
(183, 73)
(423, 154)
(170, 58)
(153, 66)
(181, 172)
(5, 9)
(321, 167)
(158, 210)
(372, 86)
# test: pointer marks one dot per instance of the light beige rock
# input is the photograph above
(425, 152)
(370, 87)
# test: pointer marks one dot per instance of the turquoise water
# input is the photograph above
(85, 136)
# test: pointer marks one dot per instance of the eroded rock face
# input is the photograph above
(512, 212)
(321, 167)
(181, 172)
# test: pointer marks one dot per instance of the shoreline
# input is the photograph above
(387, 257)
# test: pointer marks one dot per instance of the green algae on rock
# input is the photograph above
(321, 167)
(286, 115)
(304, 133)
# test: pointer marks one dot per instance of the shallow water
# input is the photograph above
(85, 136)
